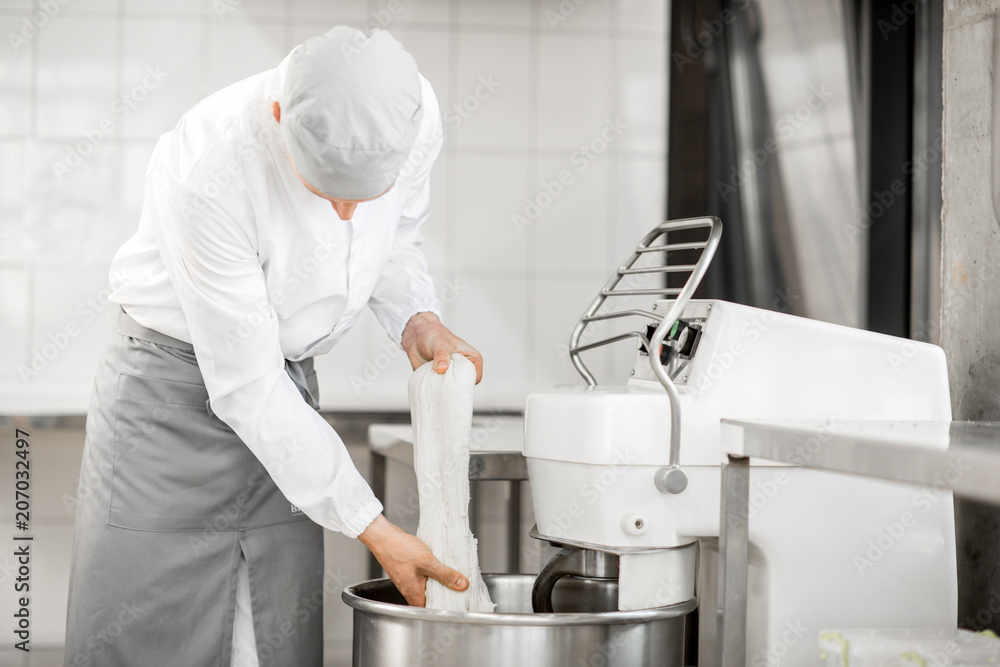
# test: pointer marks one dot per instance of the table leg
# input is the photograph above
(514, 528)
(733, 553)
(474, 496)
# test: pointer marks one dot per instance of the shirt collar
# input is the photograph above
(276, 82)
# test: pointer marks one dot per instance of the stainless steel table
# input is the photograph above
(961, 456)
(494, 454)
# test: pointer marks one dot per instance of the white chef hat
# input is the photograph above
(350, 111)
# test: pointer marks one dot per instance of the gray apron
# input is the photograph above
(169, 500)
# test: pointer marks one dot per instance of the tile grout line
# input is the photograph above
(289, 27)
(451, 173)
(120, 40)
(449, 149)
(614, 108)
(614, 165)
(570, 30)
(29, 322)
(294, 20)
(531, 277)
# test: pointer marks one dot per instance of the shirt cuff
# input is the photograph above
(362, 519)
(396, 327)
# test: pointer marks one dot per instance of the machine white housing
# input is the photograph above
(826, 550)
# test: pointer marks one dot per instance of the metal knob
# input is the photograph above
(670, 479)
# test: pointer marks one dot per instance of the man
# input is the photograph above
(275, 211)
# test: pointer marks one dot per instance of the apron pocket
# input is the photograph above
(175, 467)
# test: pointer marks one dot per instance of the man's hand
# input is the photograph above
(408, 561)
(426, 339)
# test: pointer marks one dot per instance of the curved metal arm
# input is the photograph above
(669, 481)
(570, 561)
(670, 478)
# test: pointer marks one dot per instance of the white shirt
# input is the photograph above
(235, 256)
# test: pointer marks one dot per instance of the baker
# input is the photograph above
(275, 211)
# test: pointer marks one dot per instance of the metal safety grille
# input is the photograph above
(609, 303)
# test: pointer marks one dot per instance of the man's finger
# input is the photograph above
(441, 359)
(477, 361)
(416, 597)
(447, 576)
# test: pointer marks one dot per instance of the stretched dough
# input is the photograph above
(441, 410)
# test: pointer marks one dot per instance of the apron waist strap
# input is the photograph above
(298, 371)
(127, 326)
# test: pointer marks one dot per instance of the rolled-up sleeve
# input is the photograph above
(209, 253)
(405, 287)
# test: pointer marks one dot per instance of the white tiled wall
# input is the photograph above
(527, 86)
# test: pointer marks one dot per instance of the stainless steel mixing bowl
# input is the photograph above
(388, 633)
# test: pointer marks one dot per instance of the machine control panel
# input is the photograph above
(682, 341)
(681, 344)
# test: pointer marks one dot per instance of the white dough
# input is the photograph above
(441, 410)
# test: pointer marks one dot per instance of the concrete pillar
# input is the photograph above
(970, 277)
